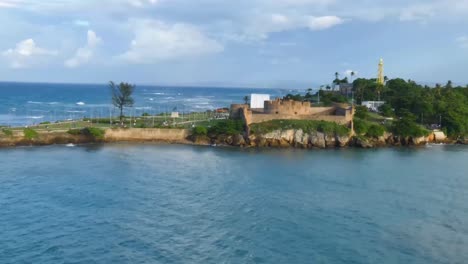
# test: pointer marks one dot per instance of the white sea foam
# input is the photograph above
(35, 117)
(80, 103)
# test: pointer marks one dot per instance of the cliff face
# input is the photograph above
(300, 139)
(297, 138)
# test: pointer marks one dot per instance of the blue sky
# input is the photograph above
(262, 43)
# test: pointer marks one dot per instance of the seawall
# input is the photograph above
(147, 134)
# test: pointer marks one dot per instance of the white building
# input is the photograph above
(257, 101)
(373, 105)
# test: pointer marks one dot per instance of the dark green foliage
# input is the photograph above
(406, 126)
(45, 123)
(362, 112)
(295, 97)
(328, 98)
(200, 131)
(386, 110)
(30, 133)
(360, 126)
(122, 96)
(145, 114)
(369, 129)
(7, 132)
(307, 126)
(94, 132)
(246, 99)
(446, 105)
(74, 132)
(375, 131)
(227, 127)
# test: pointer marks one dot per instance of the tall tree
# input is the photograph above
(449, 85)
(337, 78)
(122, 96)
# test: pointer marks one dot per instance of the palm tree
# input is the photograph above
(337, 78)
(246, 99)
(352, 76)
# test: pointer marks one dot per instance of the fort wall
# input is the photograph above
(147, 134)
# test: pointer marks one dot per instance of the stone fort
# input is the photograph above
(289, 109)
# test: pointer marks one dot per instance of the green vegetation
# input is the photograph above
(406, 126)
(362, 112)
(7, 132)
(227, 127)
(200, 131)
(94, 132)
(122, 96)
(308, 126)
(30, 133)
(414, 104)
(365, 123)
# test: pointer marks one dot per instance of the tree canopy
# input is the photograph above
(122, 96)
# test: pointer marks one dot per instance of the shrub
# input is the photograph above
(30, 133)
(375, 131)
(360, 126)
(386, 110)
(200, 131)
(75, 132)
(361, 112)
(406, 126)
(94, 132)
(45, 123)
(7, 132)
(227, 127)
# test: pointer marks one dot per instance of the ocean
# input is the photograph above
(149, 203)
(145, 203)
(33, 103)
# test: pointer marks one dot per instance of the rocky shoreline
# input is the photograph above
(276, 139)
(299, 139)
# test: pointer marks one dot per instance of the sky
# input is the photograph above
(255, 43)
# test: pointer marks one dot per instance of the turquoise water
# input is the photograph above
(180, 204)
(32, 103)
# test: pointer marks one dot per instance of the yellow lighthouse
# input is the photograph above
(380, 77)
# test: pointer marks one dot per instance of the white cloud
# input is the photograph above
(81, 23)
(157, 41)
(10, 3)
(84, 55)
(142, 3)
(463, 41)
(417, 13)
(262, 26)
(25, 52)
(324, 22)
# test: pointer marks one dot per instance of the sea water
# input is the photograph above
(33, 103)
(131, 203)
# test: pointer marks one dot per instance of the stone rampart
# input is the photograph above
(147, 134)
(287, 107)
